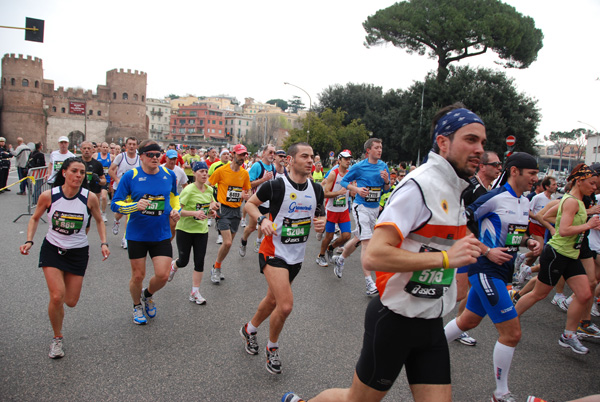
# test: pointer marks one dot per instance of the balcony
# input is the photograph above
(155, 113)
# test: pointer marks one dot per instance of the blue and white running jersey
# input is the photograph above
(502, 219)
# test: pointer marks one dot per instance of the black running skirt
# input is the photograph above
(73, 260)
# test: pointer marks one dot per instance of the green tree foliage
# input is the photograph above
(397, 118)
(328, 132)
(451, 30)
(283, 105)
(296, 104)
(173, 96)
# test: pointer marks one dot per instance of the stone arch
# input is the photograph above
(76, 137)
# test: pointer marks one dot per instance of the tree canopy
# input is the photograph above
(328, 132)
(283, 105)
(397, 118)
(451, 30)
(564, 139)
(295, 104)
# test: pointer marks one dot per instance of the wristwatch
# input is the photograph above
(261, 219)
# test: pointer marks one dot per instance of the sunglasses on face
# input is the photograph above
(494, 164)
(152, 154)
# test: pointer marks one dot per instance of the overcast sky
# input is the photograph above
(249, 49)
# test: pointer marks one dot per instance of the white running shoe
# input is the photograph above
(572, 343)
(215, 275)
(104, 217)
(173, 270)
(257, 245)
(242, 250)
(319, 236)
(197, 298)
(465, 339)
(595, 311)
(338, 266)
(557, 298)
(322, 261)
(371, 288)
(219, 239)
(115, 228)
(243, 223)
(56, 348)
(124, 243)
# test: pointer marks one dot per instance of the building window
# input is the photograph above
(182, 130)
(62, 109)
(37, 84)
(114, 95)
(135, 97)
(125, 96)
(220, 131)
(54, 109)
(91, 112)
(181, 122)
(192, 122)
(143, 98)
(12, 81)
(99, 113)
(246, 122)
(214, 122)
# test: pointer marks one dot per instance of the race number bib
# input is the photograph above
(88, 176)
(202, 207)
(295, 231)
(105, 170)
(57, 165)
(234, 194)
(374, 194)
(578, 241)
(339, 201)
(156, 206)
(431, 283)
(66, 223)
(514, 236)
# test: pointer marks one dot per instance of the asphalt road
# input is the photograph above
(191, 352)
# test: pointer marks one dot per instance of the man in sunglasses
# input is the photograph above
(480, 183)
(148, 194)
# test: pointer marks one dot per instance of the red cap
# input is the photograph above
(345, 154)
(240, 149)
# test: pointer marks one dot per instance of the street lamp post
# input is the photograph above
(309, 108)
(596, 132)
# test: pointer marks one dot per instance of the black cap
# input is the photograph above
(521, 160)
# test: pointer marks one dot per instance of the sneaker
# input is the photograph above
(519, 261)
(273, 361)
(197, 298)
(522, 275)
(291, 397)
(56, 348)
(557, 298)
(215, 275)
(173, 270)
(251, 344)
(257, 245)
(513, 293)
(563, 304)
(243, 223)
(138, 315)
(124, 243)
(595, 311)
(535, 399)
(322, 261)
(504, 398)
(465, 339)
(104, 217)
(329, 254)
(115, 227)
(371, 289)
(219, 239)
(572, 343)
(149, 305)
(319, 236)
(210, 222)
(338, 267)
(242, 250)
(591, 331)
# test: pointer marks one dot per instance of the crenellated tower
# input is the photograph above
(127, 94)
(21, 100)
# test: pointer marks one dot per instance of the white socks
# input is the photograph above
(452, 331)
(502, 360)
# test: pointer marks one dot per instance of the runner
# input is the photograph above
(372, 180)
(65, 251)
(260, 172)
(197, 203)
(121, 164)
(189, 160)
(561, 257)
(94, 171)
(148, 194)
(233, 184)
(403, 326)
(502, 216)
(225, 156)
(337, 210)
(295, 202)
(57, 157)
(105, 159)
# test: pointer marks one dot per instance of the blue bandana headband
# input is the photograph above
(454, 120)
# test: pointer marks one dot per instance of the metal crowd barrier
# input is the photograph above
(34, 189)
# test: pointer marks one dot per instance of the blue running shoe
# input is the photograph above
(149, 305)
(291, 397)
(138, 315)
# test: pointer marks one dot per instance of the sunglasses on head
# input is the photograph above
(152, 154)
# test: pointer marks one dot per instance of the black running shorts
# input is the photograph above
(139, 249)
(553, 265)
(293, 269)
(72, 260)
(392, 341)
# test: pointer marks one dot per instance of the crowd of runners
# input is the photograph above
(450, 231)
